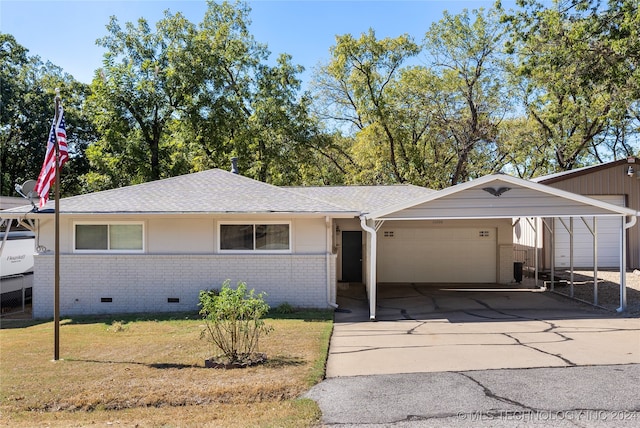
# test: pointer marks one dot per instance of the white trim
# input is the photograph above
(109, 223)
(253, 223)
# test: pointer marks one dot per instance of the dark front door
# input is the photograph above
(352, 256)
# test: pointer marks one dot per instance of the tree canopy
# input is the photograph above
(28, 90)
(529, 91)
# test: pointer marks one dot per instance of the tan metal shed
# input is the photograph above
(619, 178)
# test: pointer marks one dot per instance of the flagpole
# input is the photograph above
(56, 286)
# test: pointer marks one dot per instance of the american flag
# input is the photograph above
(48, 172)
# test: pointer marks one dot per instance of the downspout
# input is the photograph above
(329, 239)
(372, 267)
(623, 261)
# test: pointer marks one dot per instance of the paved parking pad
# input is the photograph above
(435, 329)
(451, 356)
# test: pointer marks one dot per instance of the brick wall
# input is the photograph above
(144, 283)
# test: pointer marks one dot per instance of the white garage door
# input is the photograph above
(608, 239)
(437, 255)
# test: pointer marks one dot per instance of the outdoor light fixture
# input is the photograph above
(630, 169)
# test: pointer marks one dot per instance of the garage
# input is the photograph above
(608, 246)
(428, 255)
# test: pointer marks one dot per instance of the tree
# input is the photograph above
(433, 125)
(577, 65)
(187, 98)
(28, 89)
(146, 83)
(467, 59)
(355, 91)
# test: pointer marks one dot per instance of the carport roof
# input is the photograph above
(499, 196)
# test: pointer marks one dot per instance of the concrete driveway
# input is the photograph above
(427, 328)
(453, 356)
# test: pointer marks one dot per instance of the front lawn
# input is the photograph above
(149, 371)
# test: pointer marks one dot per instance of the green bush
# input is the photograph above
(234, 320)
(284, 308)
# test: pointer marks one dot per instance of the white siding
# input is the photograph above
(192, 235)
(476, 203)
(188, 234)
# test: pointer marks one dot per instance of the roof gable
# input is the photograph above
(500, 196)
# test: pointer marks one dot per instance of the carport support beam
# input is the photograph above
(533, 222)
(595, 261)
(623, 261)
(594, 233)
(570, 231)
(373, 250)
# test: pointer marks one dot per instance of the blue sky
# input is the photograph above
(64, 32)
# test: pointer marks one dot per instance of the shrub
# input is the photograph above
(284, 308)
(117, 327)
(233, 320)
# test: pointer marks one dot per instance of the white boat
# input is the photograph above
(16, 260)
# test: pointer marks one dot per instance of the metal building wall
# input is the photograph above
(609, 179)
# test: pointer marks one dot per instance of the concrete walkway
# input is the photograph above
(451, 356)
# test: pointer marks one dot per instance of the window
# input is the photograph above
(255, 237)
(117, 237)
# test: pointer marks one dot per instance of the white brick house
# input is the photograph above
(152, 247)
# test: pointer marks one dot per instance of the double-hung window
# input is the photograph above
(271, 237)
(109, 237)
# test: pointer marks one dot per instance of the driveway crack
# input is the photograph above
(490, 394)
(519, 342)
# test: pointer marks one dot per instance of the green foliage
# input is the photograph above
(233, 319)
(576, 64)
(27, 92)
(284, 308)
(182, 97)
(432, 125)
(540, 88)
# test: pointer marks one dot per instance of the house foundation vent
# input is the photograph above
(106, 299)
(173, 300)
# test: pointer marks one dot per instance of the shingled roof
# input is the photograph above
(365, 199)
(212, 191)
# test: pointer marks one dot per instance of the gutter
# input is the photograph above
(372, 267)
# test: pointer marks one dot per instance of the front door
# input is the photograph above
(352, 256)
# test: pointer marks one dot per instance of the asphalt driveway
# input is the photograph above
(451, 356)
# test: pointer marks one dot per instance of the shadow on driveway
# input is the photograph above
(467, 356)
(434, 328)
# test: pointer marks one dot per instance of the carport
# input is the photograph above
(493, 197)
